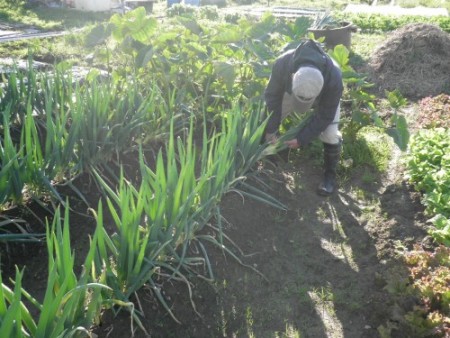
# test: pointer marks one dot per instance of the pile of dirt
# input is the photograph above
(415, 59)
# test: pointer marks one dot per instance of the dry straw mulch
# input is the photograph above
(414, 59)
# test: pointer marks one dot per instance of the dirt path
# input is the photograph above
(328, 263)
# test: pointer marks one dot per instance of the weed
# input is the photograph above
(325, 293)
(368, 177)
(321, 214)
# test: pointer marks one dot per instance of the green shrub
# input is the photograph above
(386, 23)
(181, 10)
(209, 13)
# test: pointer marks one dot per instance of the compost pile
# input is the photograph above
(415, 59)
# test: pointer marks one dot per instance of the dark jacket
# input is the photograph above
(280, 82)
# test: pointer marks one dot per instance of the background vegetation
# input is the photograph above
(193, 134)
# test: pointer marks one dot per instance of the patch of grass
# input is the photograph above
(14, 50)
(371, 148)
(360, 194)
(324, 293)
(368, 177)
(64, 48)
(321, 214)
(363, 45)
(49, 50)
(16, 13)
(19, 15)
(280, 217)
(22, 13)
(70, 18)
(290, 332)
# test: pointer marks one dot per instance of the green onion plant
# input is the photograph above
(158, 222)
(70, 306)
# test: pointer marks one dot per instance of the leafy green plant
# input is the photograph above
(70, 126)
(16, 93)
(429, 170)
(398, 128)
(430, 277)
(442, 231)
(181, 10)
(209, 12)
(22, 163)
(204, 62)
(325, 21)
(15, 318)
(105, 121)
(363, 105)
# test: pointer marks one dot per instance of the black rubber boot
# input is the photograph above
(331, 156)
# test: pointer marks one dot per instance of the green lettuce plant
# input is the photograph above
(428, 164)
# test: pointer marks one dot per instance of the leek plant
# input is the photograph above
(61, 134)
(70, 306)
(13, 165)
(15, 94)
(15, 318)
(22, 164)
(109, 116)
(18, 170)
(158, 222)
(67, 128)
(14, 230)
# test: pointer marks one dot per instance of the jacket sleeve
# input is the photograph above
(274, 96)
(324, 112)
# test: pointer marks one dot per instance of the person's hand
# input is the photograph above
(271, 138)
(293, 144)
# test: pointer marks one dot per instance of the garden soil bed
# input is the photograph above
(326, 267)
(329, 265)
